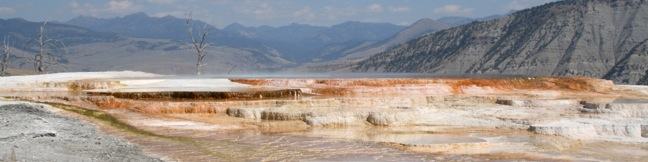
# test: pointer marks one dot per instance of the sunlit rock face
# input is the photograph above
(595, 38)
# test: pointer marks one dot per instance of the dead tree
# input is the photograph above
(44, 58)
(198, 45)
(6, 53)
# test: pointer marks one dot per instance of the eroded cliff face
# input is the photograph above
(596, 38)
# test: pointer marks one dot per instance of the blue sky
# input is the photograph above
(265, 12)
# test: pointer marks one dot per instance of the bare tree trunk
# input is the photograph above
(199, 45)
(39, 65)
(44, 58)
(4, 65)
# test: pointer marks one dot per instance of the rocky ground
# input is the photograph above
(35, 132)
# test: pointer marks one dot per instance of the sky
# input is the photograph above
(265, 12)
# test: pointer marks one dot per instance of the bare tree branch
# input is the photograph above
(199, 46)
(44, 58)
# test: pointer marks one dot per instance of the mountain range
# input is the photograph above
(159, 44)
(303, 43)
(295, 42)
(596, 38)
(90, 50)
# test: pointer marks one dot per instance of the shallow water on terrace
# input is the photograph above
(200, 145)
(628, 100)
(367, 144)
(487, 144)
(311, 145)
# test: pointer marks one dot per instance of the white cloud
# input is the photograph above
(162, 1)
(220, 1)
(305, 13)
(120, 5)
(452, 9)
(260, 11)
(375, 8)
(112, 8)
(335, 13)
(84, 8)
(180, 14)
(399, 9)
(7, 11)
(523, 4)
(264, 11)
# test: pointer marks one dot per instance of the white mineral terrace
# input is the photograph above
(503, 118)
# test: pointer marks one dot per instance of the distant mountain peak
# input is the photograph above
(455, 20)
(138, 15)
(140, 25)
(424, 19)
(234, 27)
(359, 23)
(427, 21)
(416, 29)
(299, 25)
(83, 18)
(18, 19)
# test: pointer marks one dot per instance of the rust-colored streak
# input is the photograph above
(108, 102)
(177, 95)
(159, 107)
(581, 84)
(344, 86)
(332, 91)
(251, 81)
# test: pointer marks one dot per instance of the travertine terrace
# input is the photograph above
(509, 118)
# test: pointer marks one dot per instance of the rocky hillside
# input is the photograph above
(413, 31)
(22, 33)
(350, 56)
(141, 25)
(89, 50)
(597, 38)
(298, 43)
(455, 20)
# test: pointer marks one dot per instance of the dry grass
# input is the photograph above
(19, 72)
